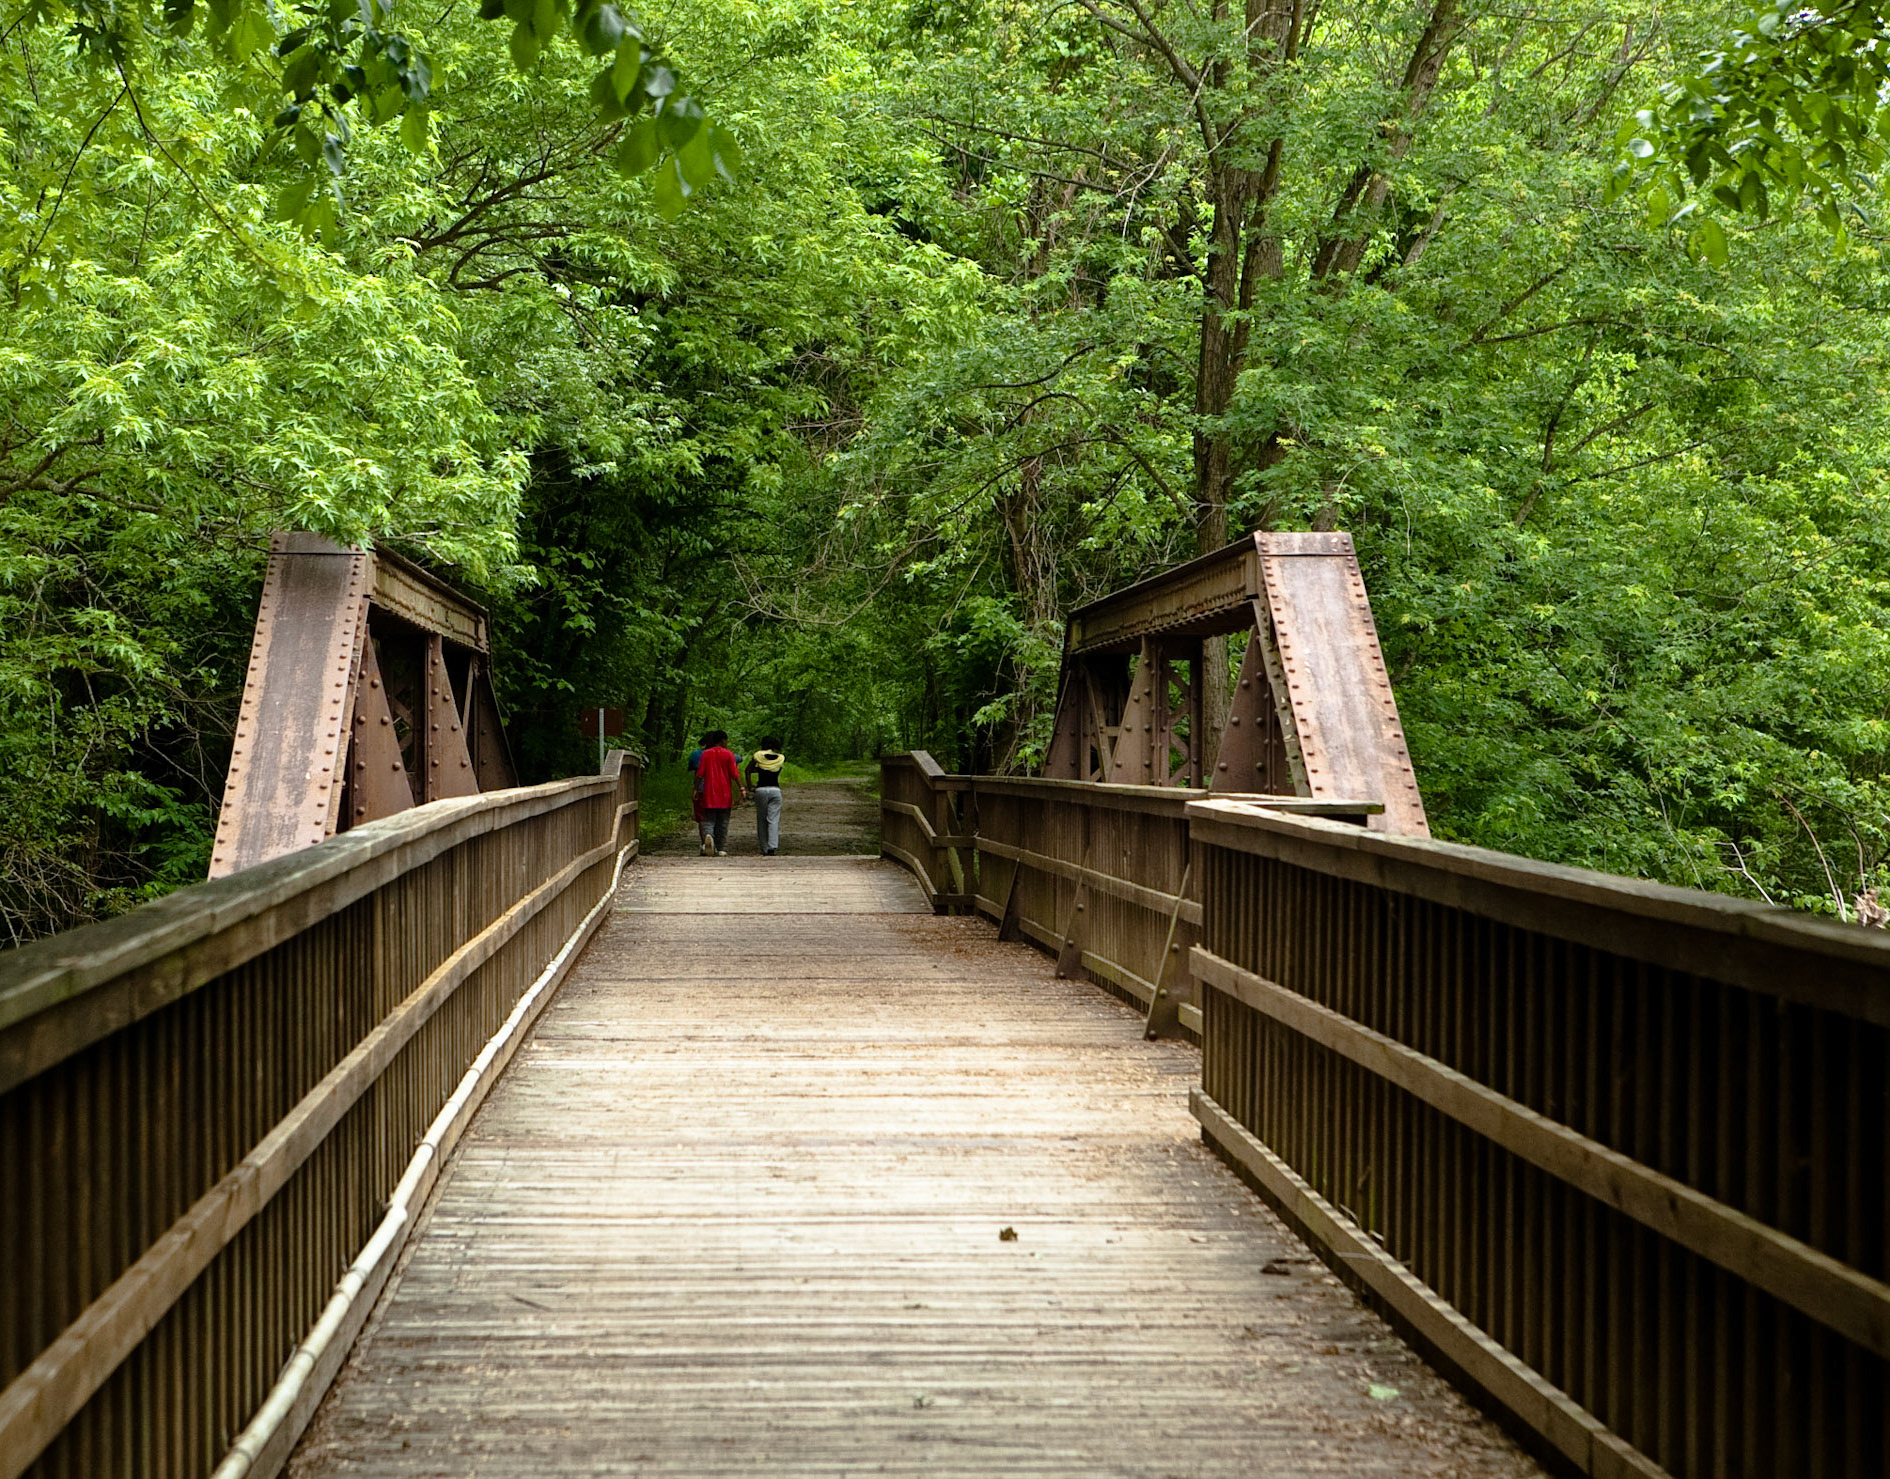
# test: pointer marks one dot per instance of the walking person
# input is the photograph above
(720, 775)
(695, 797)
(764, 779)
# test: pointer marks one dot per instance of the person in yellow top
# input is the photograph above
(764, 779)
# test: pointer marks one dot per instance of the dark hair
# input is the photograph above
(708, 738)
(771, 743)
(715, 737)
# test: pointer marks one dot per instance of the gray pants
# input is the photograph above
(768, 817)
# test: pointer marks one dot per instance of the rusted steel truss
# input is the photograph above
(369, 691)
(1312, 712)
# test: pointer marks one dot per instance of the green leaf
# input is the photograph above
(728, 154)
(627, 71)
(604, 95)
(696, 160)
(1640, 148)
(668, 192)
(525, 47)
(658, 80)
(294, 199)
(639, 149)
(413, 130)
(1710, 238)
(301, 72)
(416, 80)
(681, 120)
(251, 33)
(308, 147)
(603, 29)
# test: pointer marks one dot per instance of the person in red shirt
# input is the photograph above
(719, 774)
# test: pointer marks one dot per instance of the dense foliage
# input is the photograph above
(1009, 303)
(1792, 107)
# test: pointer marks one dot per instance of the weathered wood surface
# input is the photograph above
(737, 1209)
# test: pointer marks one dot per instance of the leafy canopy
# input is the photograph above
(319, 69)
(1791, 108)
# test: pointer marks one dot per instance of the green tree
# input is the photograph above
(1787, 110)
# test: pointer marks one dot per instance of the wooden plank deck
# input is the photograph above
(739, 1208)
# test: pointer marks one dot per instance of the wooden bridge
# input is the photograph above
(796, 1175)
(1091, 1128)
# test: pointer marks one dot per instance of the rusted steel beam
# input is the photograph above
(1312, 712)
(368, 692)
(1335, 689)
(283, 787)
(1204, 598)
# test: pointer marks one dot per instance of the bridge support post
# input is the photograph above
(1169, 972)
(1070, 951)
(1007, 917)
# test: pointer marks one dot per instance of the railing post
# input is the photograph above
(1170, 971)
(945, 869)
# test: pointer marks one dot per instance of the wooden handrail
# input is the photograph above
(366, 961)
(1758, 946)
(1589, 1137)
(1824, 1288)
(109, 974)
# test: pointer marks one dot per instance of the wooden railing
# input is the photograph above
(1617, 1155)
(1098, 875)
(920, 826)
(1620, 1152)
(214, 1108)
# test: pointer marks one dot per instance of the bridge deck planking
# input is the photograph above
(736, 1210)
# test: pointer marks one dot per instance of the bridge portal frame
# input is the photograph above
(369, 691)
(1312, 712)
